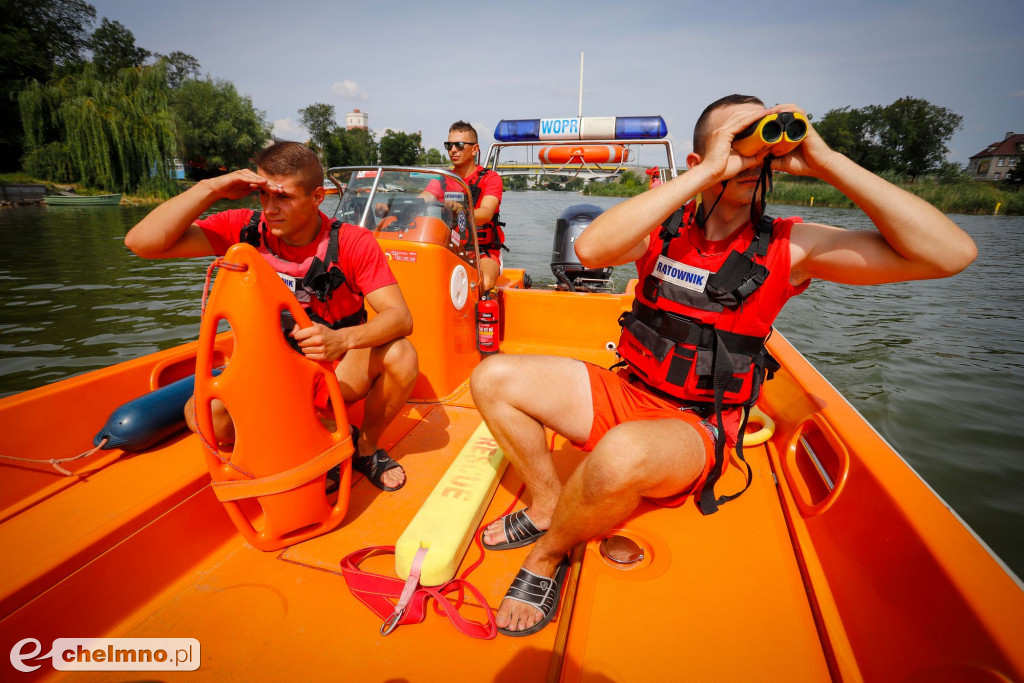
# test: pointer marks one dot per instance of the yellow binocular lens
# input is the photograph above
(782, 132)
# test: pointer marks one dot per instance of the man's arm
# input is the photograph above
(485, 212)
(393, 320)
(914, 241)
(620, 234)
(169, 230)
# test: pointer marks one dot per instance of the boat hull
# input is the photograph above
(839, 562)
(83, 200)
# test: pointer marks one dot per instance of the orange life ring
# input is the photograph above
(583, 154)
(272, 482)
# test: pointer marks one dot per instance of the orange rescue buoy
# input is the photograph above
(583, 154)
(272, 481)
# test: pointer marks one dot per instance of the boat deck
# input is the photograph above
(238, 601)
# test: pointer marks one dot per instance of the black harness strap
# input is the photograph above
(737, 279)
(323, 277)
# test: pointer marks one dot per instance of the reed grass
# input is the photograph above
(965, 196)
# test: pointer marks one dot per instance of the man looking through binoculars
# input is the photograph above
(714, 273)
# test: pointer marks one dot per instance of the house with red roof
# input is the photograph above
(996, 160)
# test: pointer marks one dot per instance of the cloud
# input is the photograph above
(1018, 94)
(350, 89)
(286, 129)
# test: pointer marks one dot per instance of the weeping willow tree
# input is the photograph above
(111, 133)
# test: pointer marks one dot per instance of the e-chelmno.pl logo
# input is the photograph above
(109, 654)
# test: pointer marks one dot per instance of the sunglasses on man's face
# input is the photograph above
(457, 145)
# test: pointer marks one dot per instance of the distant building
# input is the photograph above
(356, 119)
(996, 160)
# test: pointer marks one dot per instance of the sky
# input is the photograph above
(419, 66)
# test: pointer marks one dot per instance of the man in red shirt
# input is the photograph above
(463, 147)
(373, 360)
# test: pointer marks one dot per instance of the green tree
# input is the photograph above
(574, 185)
(218, 127)
(36, 37)
(360, 147)
(114, 134)
(321, 122)
(113, 48)
(180, 66)
(334, 152)
(400, 149)
(907, 137)
(847, 131)
(349, 148)
(432, 157)
(515, 183)
(915, 132)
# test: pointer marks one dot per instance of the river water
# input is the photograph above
(936, 367)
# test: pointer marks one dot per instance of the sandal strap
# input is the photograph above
(378, 463)
(518, 526)
(533, 590)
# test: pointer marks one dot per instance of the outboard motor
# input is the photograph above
(565, 266)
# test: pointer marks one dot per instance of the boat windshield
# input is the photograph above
(429, 206)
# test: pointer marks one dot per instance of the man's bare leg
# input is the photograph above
(515, 397)
(223, 425)
(385, 376)
(518, 396)
(490, 270)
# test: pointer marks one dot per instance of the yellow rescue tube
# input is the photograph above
(583, 154)
(447, 521)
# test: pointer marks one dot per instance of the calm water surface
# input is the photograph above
(935, 367)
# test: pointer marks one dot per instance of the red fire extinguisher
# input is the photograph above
(487, 321)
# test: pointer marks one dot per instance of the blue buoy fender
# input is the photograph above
(148, 419)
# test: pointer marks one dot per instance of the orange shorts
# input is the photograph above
(321, 394)
(494, 255)
(616, 400)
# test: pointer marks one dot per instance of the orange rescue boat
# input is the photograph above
(839, 562)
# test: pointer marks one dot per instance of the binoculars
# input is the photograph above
(781, 132)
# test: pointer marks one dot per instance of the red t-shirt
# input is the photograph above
(359, 256)
(490, 186)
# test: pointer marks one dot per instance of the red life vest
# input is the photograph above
(315, 280)
(699, 322)
(490, 235)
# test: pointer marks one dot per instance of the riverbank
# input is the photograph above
(962, 196)
(17, 179)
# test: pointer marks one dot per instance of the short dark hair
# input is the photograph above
(464, 127)
(700, 130)
(292, 159)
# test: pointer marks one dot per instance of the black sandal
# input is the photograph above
(519, 531)
(541, 592)
(374, 466)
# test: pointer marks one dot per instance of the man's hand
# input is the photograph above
(720, 160)
(239, 184)
(810, 157)
(320, 342)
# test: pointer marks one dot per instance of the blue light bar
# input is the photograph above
(586, 128)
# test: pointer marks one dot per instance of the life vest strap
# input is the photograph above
(683, 330)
